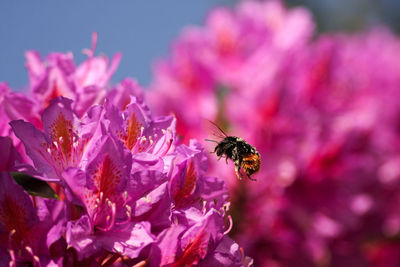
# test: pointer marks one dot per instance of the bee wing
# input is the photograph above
(214, 130)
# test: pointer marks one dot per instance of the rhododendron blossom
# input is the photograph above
(322, 112)
(90, 176)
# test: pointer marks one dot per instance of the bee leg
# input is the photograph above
(248, 176)
(237, 168)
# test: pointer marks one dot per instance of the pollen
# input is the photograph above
(133, 131)
(61, 132)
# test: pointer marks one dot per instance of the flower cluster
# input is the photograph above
(322, 112)
(89, 177)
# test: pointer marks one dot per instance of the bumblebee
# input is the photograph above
(244, 155)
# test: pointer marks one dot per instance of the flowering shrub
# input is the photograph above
(323, 113)
(94, 179)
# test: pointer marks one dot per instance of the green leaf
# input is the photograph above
(34, 186)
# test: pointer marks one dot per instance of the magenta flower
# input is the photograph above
(125, 180)
(187, 243)
(19, 225)
(134, 189)
(120, 94)
(63, 143)
(59, 76)
(101, 180)
(189, 185)
(138, 131)
(28, 229)
(16, 106)
(9, 158)
(322, 113)
(101, 190)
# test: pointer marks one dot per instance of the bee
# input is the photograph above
(243, 154)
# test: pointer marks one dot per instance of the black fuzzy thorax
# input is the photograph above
(234, 148)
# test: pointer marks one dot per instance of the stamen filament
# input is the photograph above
(13, 261)
(230, 225)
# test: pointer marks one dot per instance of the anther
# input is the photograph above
(128, 208)
(37, 261)
(12, 232)
(13, 262)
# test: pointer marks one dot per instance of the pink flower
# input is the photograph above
(59, 76)
(124, 180)
(190, 243)
(321, 112)
(104, 182)
(28, 229)
(189, 185)
(63, 143)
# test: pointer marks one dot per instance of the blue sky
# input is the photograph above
(141, 30)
